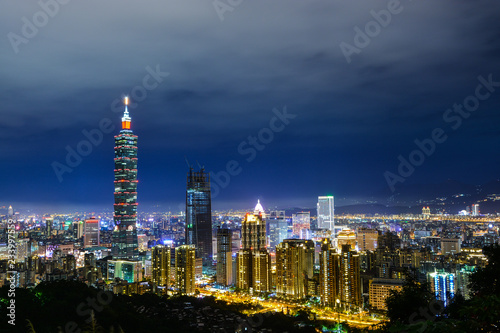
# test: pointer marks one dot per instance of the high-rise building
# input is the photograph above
(350, 277)
(261, 271)
(199, 214)
(426, 212)
(10, 211)
(91, 233)
(380, 289)
(450, 246)
(253, 271)
(23, 249)
(253, 232)
(442, 285)
(301, 225)
(127, 270)
(326, 212)
(277, 228)
(294, 268)
(346, 236)
(185, 262)
(224, 257)
(463, 274)
(339, 276)
(77, 227)
(160, 263)
(475, 210)
(367, 239)
(142, 242)
(389, 241)
(328, 273)
(89, 259)
(125, 207)
(49, 225)
(244, 269)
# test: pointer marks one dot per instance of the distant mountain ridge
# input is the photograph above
(449, 197)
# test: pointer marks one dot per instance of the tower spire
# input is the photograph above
(258, 208)
(126, 120)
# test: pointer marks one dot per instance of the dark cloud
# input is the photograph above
(353, 119)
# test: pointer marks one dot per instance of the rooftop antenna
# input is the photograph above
(126, 120)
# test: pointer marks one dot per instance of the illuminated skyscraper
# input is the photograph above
(294, 268)
(350, 278)
(125, 207)
(10, 212)
(277, 227)
(253, 270)
(224, 257)
(347, 236)
(339, 276)
(160, 263)
(261, 271)
(77, 229)
(326, 212)
(301, 225)
(244, 269)
(199, 214)
(328, 273)
(23, 249)
(91, 233)
(253, 231)
(475, 210)
(443, 286)
(185, 261)
(367, 239)
(426, 212)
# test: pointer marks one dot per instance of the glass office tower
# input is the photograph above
(199, 214)
(326, 213)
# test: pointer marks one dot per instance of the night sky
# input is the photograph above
(349, 117)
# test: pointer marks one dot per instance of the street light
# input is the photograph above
(338, 312)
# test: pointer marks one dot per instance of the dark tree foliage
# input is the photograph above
(481, 313)
(70, 306)
(485, 281)
(406, 306)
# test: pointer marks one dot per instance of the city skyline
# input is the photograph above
(249, 166)
(206, 98)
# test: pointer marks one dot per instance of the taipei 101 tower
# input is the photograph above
(125, 208)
